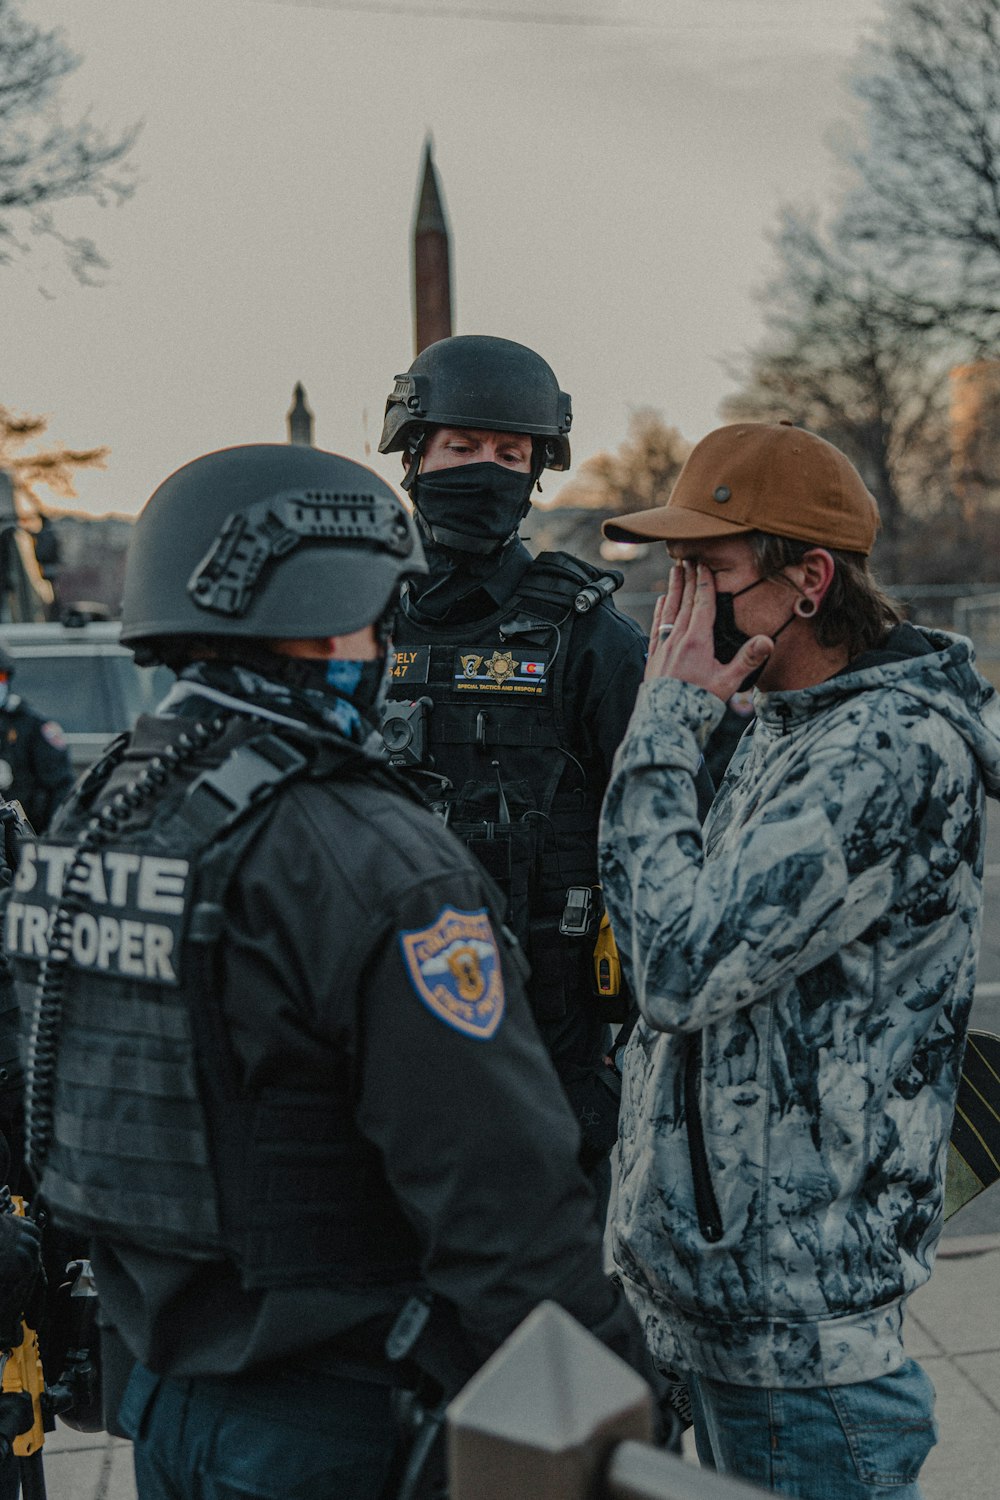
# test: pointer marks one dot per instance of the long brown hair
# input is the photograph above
(855, 612)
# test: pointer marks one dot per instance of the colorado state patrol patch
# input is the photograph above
(454, 966)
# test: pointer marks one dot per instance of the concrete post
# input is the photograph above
(554, 1415)
(542, 1416)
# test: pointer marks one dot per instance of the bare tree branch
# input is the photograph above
(840, 360)
(44, 161)
(866, 313)
(929, 171)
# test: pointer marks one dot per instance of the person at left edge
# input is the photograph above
(20, 1237)
(288, 1079)
(34, 759)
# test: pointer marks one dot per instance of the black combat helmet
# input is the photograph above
(272, 541)
(473, 380)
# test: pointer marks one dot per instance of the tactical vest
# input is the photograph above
(153, 1138)
(483, 726)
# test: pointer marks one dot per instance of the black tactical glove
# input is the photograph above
(20, 1267)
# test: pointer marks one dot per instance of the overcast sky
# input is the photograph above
(610, 179)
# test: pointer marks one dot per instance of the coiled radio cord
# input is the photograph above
(43, 1044)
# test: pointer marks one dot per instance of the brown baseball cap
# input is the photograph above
(761, 476)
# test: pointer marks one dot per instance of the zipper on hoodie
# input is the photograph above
(709, 1217)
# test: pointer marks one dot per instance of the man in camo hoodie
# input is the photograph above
(804, 968)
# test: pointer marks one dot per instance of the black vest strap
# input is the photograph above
(553, 581)
(248, 777)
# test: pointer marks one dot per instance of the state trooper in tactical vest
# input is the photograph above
(281, 1064)
(514, 681)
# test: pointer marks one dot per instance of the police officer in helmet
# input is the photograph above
(282, 1069)
(515, 680)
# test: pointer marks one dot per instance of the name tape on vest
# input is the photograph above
(501, 672)
(133, 921)
(412, 665)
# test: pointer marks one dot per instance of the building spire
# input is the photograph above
(300, 418)
(431, 260)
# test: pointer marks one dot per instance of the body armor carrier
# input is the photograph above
(139, 1126)
(478, 717)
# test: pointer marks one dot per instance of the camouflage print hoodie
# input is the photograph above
(805, 979)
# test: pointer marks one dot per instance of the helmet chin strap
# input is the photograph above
(415, 447)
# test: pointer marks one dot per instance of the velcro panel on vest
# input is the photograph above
(129, 1154)
(499, 724)
(148, 1219)
(507, 854)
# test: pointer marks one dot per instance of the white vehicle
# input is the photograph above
(77, 673)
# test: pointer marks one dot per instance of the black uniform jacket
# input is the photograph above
(325, 958)
(34, 761)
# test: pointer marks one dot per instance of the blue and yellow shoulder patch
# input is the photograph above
(454, 966)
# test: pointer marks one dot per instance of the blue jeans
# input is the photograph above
(255, 1439)
(840, 1442)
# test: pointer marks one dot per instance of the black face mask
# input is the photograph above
(474, 507)
(728, 638)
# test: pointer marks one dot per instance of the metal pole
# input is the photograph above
(638, 1472)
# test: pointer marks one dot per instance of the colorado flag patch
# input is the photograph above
(454, 966)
